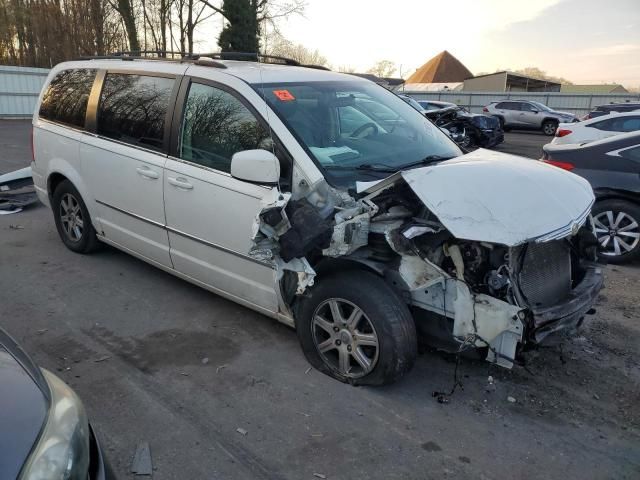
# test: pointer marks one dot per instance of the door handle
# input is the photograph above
(180, 183)
(147, 173)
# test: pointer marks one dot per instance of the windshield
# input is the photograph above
(412, 102)
(356, 130)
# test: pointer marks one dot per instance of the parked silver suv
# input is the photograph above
(528, 115)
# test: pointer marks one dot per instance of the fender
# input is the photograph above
(60, 166)
(607, 193)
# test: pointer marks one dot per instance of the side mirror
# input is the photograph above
(258, 166)
(535, 111)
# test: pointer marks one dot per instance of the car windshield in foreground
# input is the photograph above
(356, 130)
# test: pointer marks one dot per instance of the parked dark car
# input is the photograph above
(601, 110)
(44, 431)
(612, 166)
(480, 130)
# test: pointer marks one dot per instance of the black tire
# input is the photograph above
(77, 234)
(469, 142)
(383, 311)
(501, 120)
(621, 230)
(549, 127)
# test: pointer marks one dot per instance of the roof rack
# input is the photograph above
(206, 59)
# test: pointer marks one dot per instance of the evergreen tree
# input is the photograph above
(241, 33)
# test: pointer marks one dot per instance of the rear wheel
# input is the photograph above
(549, 127)
(72, 219)
(355, 328)
(617, 228)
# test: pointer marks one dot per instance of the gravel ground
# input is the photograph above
(156, 359)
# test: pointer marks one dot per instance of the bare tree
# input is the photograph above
(383, 68)
(126, 11)
(285, 48)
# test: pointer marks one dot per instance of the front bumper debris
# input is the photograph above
(567, 314)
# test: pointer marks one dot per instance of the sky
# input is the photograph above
(585, 41)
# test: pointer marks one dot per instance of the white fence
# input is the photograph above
(19, 90)
(578, 104)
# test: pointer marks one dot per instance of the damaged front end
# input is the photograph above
(476, 269)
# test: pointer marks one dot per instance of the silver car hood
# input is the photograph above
(494, 197)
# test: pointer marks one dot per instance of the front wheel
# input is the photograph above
(617, 228)
(354, 327)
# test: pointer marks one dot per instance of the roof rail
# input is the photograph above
(167, 55)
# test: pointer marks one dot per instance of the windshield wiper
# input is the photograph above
(370, 167)
(425, 161)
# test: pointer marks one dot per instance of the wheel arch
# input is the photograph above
(61, 170)
(330, 265)
(614, 194)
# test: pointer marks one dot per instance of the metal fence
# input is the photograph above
(19, 90)
(578, 104)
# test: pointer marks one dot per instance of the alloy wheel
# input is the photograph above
(71, 217)
(549, 128)
(345, 337)
(618, 232)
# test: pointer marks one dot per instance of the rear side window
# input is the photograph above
(216, 125)
(508, 106)
(632, 154)
(66, 98)
(621, 124)
(133, 109)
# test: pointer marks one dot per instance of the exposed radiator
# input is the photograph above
(545, 278)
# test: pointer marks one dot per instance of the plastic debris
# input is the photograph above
(511, 399)
(242, 431)
(141, 464)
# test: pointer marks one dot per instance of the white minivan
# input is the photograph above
(317, 198)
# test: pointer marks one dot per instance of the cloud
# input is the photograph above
(617, 49)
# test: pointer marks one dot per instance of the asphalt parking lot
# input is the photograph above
(156, 359)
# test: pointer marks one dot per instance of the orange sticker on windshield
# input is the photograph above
(284, 95)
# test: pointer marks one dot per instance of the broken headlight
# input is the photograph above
(62, 451)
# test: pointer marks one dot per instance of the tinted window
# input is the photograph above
(508, 106)
(133, 109)
(602, 125)
(631, 154)
(622, 124)
(629, 124)
(526, 107)
(216, 125)
(66, 98)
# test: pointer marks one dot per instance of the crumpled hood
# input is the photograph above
(498, 198)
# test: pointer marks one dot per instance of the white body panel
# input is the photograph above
(126, 185)
(209, 219)
(498, 198)
(587, 131)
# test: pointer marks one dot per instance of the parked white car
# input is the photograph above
(597, 128)
(319, 199)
